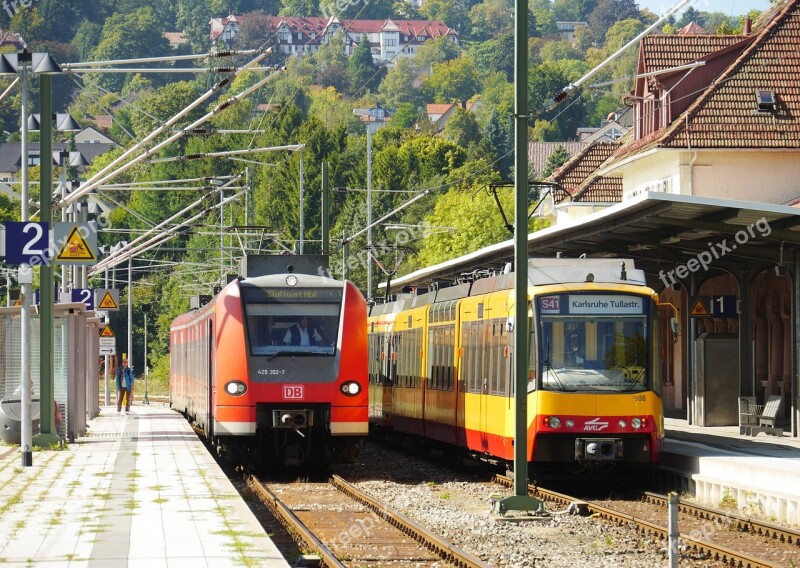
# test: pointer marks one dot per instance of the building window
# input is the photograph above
(391, 42)
(765, 100)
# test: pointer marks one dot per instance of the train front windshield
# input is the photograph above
(593, 342)
(293, 321)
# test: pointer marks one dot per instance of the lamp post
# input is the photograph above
(145, 310)
(375, 117)
(43, 65)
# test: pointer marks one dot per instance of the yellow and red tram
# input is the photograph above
(441, 367)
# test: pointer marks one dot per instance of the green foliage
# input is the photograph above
(496, 54)
(364, 75)
(437, 50)
(476, 223)
(454, 80)
(557, 159)
(135, 34)
(462, 129)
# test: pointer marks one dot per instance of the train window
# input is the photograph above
(606, 354)
(304, 323)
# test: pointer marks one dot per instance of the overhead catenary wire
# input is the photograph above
(219, 108)
(104, 175)
(559, 97)
(129, 248)
(163, 59)
(293, 147)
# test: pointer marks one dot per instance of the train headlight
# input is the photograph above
(570, 423)
(623, 424)
(235, 388)
(553, 421)
(636, 423)
(350, 388)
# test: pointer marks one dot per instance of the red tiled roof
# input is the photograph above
(540, 152)
(582, 165)
(659, 52)
(413, 28)
(725, 116)
(692, 28)
(600, 190)
(576, 182)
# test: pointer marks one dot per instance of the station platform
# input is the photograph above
(759, 476)
(139, 490)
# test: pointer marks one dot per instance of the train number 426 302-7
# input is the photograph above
(272, 371)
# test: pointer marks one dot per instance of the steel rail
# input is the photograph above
(295, 525)
(439, 547)
(715, 552)
(416, 531)
(743, 523)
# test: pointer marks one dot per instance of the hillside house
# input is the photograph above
(388, 39)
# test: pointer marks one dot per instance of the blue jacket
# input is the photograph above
(128, 376)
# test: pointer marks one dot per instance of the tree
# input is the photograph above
(437, 50)
(253, 30)
(497, 139)
(544, 81)
(398, 87)
(690, 15)
(462, 128)
(491, 19)
(127, 36)
(496, 54)
(555, 160)
(86, 37)
(455, 80)
(405, 115)
(451, 13)
(607, 12)
(364, 75)
(162, 105)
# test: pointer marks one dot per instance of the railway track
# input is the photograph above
(722, 536)
(346, 527)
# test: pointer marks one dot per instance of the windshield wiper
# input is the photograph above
(280, 353)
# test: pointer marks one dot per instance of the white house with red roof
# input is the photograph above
(388, 39)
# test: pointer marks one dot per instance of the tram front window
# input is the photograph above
(606, 354)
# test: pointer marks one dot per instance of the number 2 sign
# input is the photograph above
(26, 242)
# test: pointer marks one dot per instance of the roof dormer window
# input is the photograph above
(765, 101)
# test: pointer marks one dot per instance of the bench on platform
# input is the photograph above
(755, 418)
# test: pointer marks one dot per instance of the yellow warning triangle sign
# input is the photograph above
(108, 303)
(107, 332)
(75, 247)
(699, 308)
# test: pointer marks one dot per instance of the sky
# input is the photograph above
(730, 7)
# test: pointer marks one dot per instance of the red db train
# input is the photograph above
(273, 368)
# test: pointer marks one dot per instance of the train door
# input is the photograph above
(483, 373)
(390, 375)
(211, 374)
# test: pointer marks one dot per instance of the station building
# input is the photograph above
(703, 194)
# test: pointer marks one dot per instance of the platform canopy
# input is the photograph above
(660, 231)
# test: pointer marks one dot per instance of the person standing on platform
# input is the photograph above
(124, 385)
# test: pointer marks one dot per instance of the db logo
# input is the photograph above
(551, 303)
(293, 392)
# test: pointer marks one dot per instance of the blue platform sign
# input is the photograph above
(27, 243)
(83, 296)
(714, 307)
